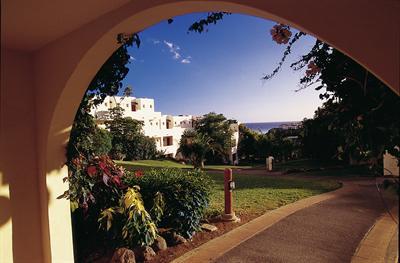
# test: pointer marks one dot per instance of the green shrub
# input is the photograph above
(186, 196)
(102, 141)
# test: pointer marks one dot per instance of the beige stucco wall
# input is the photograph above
(50, 80)
(19, 172)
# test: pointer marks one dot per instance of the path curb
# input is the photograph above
(379, 243)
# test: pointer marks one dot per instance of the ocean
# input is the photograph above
(264, 127)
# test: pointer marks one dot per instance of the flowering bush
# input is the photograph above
(129, 207)
(91, 180)
(98, 197)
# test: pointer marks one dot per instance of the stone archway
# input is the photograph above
(58, 73)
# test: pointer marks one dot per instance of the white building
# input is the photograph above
(167, 130)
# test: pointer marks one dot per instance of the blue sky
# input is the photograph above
(220, 71)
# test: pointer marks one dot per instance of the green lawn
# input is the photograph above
(143, 164)
(256, 194)
(146, 164)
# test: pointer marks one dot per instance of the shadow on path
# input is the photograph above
(329, 231)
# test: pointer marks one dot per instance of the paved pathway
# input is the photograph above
(329, 231)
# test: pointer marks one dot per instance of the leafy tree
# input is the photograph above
(202, 24)
(128, 140)
(83, 128)
(358, 117)
(219, 133)
(107, 82)
(359, 111)
(194, 146)
(102, 141)
(255, 147)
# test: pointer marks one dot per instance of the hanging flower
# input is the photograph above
(281, 33)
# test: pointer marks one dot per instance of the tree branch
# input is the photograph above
(285, 54)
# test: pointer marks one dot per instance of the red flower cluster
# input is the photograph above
(138, 173)
(281, 33)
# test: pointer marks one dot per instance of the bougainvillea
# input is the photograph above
(281, 33)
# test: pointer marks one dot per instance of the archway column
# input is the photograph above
(21, 209)
(35, 226)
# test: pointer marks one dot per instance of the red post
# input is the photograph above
(228, 215)
(228, 191)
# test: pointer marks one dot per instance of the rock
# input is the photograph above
(209, 228)
(144, 253)
(159, 244)
(178, 239)
(123, 255)
(173, 238)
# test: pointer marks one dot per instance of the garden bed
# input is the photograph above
(137, 202)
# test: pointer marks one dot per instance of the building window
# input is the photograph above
(169, 124)
(105, 104)
(144, 106)
(133, 106)
(167, 141)
(127, 105)
(151, 106)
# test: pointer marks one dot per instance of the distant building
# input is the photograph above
(167, 130)
(291, 125)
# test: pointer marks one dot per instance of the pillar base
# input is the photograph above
(230, 217)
